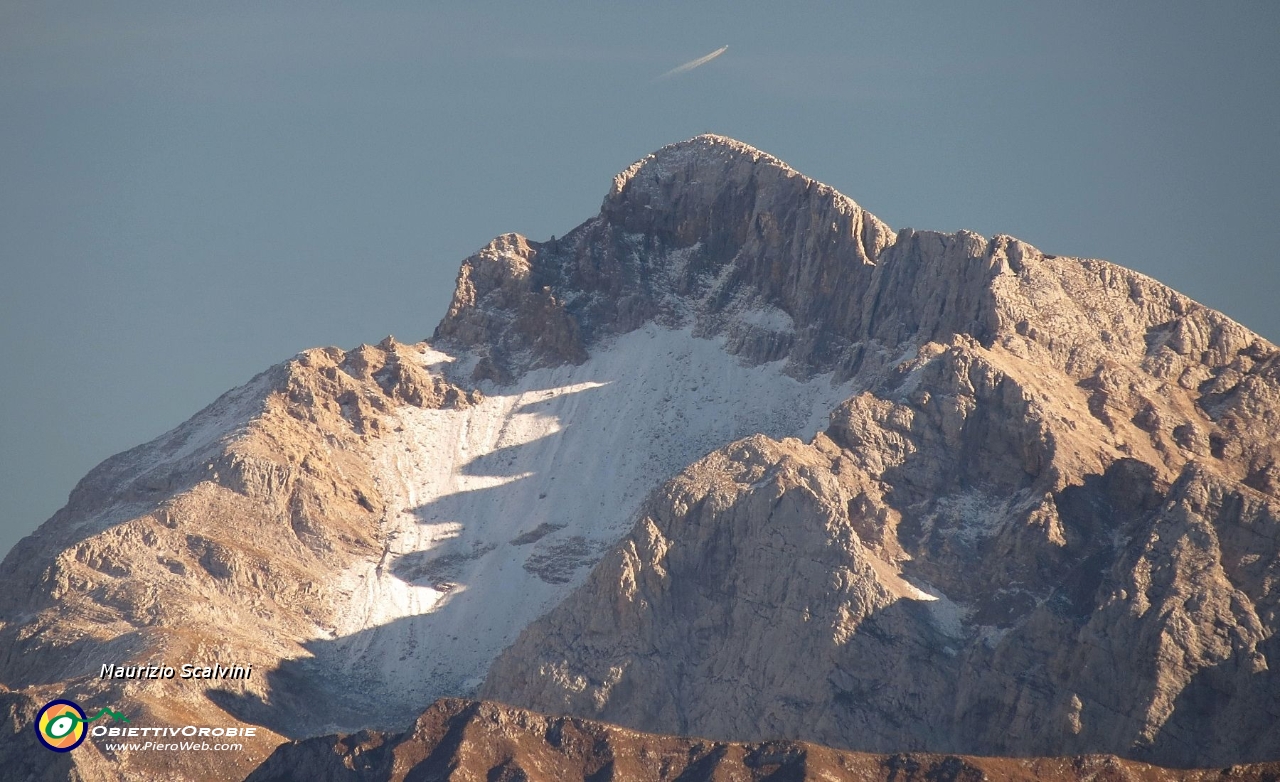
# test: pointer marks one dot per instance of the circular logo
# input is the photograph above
(60, 725)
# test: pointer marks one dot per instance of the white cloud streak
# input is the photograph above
(693, 63)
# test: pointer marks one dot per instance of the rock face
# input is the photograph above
(905, 491)
(468, 740)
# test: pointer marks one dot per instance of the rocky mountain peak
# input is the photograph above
(710, 164)
(886, 491)
(709, 233)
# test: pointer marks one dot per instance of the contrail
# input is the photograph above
(694, 63)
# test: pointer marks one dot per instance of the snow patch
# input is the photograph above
(947, 616)
(496, 512)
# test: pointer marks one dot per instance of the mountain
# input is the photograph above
(457, 739)
(1044, 522)
(730, 459)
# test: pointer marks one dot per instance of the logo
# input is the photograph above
(60, 725)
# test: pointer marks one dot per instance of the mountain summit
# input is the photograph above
(708, 233)
(732, 458)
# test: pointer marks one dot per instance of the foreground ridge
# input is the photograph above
(471, 740)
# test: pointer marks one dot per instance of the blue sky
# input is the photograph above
(190, 192)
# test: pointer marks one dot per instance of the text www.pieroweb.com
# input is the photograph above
(177, 746)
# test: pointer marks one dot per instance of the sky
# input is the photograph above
(192, 192)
